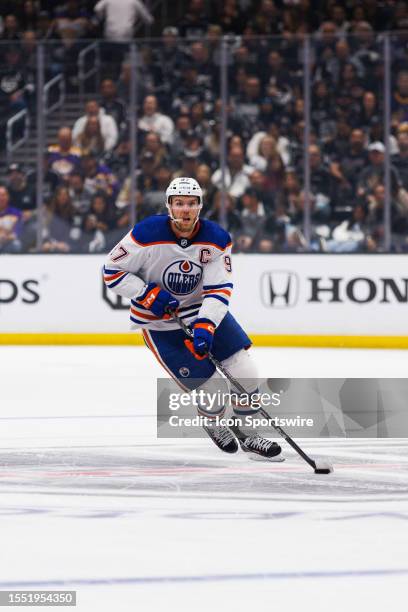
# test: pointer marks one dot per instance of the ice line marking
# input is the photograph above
(205, 578)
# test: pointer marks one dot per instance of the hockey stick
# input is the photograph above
(319, 467)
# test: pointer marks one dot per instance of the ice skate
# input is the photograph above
(261, 449)
(223, 438)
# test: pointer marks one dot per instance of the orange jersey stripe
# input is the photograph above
(144, 316)
(224, 291)
(113, 276)
(155, 352)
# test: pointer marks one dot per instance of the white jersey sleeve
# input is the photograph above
(217, 287)
(122, 267)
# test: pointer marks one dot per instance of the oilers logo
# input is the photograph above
(182, 277)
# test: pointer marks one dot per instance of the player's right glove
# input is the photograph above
(203, 336)
(157, 300)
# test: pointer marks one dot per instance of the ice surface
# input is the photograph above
(92, 502)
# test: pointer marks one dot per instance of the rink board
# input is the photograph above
(282, 300)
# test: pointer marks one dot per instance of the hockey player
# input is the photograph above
(179, 262)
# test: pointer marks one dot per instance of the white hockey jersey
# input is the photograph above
(196, 271)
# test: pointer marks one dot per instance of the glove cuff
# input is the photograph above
(149, 295)
(205, 324)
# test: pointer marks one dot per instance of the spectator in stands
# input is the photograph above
(155, 198)
(153, 121)
(246, 107)
(323, 120)
(373, 174)
(59, 223)
(349, 91)
(11, 29)
(98, 177)
(236, 174)
(189, 90)
(21, 190)
(189, 164)
(70, 21)
(108, 127)
(28, 16)
(63, 158)
(323, 185)
(348, 167)
(112, 104)
(80, 195)
(258, 183)
(368, 114)
(43, 29)
(399, 223)
(330, 68)
(243, 58)
(399, 101)
(62, 57)
(366, 54)
(351, 234)
(10, 224)
(283, 145)
(183, 127)
(90, 140)
(400, 160)
(12, 83)
(29, 61)
(153, 144)
(203, 176)
(168, 55)
(214, 34)
(199, 54)
(327, 36)
(145, 181)
(337, 14)
(195, 23)
(267, 150)
(195, 148)
(233, 221)
(275, 175)
(96, 226)
(199, 122)
(120, 18)
(253, 218)
(124, 82)
(278, 83)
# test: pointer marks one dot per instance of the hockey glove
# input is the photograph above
(203, 336)
(157, 300)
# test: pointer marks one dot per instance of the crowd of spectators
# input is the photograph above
(87, 184)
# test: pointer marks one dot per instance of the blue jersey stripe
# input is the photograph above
(117, 281)
(108, 271)
(185, 308)
(206, 287)
(190, 314)
(138, 321)
(217, 297)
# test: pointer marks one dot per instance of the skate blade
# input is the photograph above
(276, 459)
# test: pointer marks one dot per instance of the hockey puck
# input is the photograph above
(321, 467)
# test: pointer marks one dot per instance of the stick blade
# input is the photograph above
(322, 467)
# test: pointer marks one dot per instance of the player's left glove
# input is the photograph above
(158, 300)
(203, 336)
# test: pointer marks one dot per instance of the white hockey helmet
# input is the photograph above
(185, 186)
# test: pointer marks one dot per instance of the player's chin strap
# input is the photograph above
(176, 221)
(319, 467)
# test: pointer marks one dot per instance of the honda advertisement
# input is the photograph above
(274, 295)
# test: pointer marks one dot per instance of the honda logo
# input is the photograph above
(279, 288)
